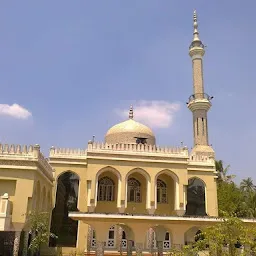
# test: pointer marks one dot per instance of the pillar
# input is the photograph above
(82, 233)
(16, 244)
(121, 196)
(177, 196)
(139, 247)
(129, 247)
(151, 197)
(25, 243)
(119, 240)
(100, 248)
(101, 233)
(159, 248)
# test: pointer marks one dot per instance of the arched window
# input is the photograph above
(195, 197)
(161, 192)
(134, 193)
(106, 189)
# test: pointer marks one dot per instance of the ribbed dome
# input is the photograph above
(128, 132)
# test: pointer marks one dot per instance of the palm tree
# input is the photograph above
(247, 185)
(222, 172)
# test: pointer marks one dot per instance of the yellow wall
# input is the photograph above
(19, 184)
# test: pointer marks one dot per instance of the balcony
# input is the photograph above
(199, 96)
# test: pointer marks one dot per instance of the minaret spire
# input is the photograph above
(199, 102)
(196, 33)
(131, 112)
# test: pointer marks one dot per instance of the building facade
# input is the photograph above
(124, 194)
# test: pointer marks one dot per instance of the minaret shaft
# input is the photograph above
(198, 82)
(199, 102)
(200, 127)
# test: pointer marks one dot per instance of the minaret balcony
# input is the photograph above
(199, 101)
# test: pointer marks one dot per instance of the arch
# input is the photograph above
(161, 234)
(118, 232)
(169, 173)
(67, 189)
(69, 171)
(141, 171)
(106, 189)
(110, 169)
(117, 180)
(190, 236)
(196, 197)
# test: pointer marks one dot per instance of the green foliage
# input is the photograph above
(39, 226)
(230, 199)
(234, 199)
(222, 238)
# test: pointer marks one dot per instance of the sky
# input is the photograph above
(71, 69)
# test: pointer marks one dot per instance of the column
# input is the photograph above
(139, 247)
(82, 231)
(150, 240)
(119, 240)
(121, 196)
(16, 243)
(159, 248)
(177, 196)
(148, 205)
(151, 196)
(25, 243)
(89, 238)
(129, 247)
(184, 197)
(100, 248)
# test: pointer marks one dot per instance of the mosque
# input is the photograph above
(124, 195)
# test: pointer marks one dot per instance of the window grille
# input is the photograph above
(111, 237)
(134, 190)
(106, 189)
(161, 192)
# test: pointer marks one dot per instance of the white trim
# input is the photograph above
(148, 217)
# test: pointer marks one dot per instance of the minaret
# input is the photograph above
(199, 102)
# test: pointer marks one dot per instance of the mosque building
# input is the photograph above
(122, 195)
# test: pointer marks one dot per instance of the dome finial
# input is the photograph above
(196, 33)
(131, 112)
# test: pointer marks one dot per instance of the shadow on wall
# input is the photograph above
(66, 200)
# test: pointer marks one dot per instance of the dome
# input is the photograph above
(130, 132)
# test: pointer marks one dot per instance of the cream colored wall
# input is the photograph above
(19, 184)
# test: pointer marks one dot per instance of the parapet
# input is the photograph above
(26, 153)
(140, 148)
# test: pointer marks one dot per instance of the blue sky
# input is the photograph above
(75, 65)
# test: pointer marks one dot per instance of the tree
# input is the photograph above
(231, 199)
(226, 236)
(247, 186)
(39, 226)
(222, 172)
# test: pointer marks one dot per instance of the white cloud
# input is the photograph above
(156, 114)
(15, 111)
